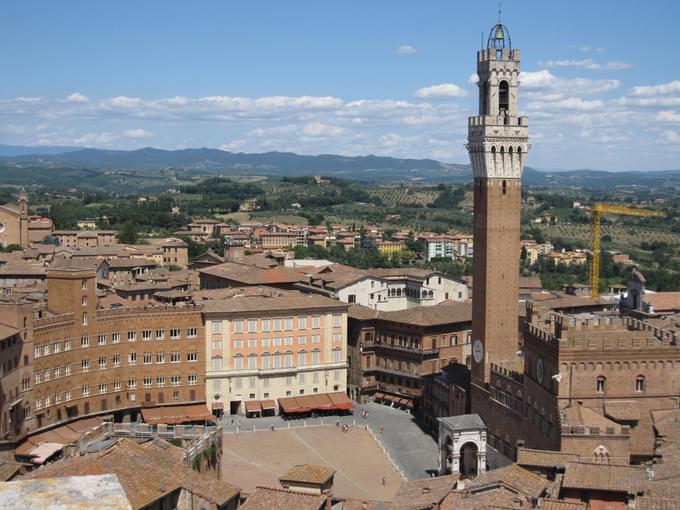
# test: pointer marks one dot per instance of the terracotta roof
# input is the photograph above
(514, 477)
(604, 477)
(7, 331)
(626, 410)
(444, 313)
(308, 473)
(252, 275)
(656, 503)
(267, 498)
(423, 494)
(663, 301)
(543, 458)
(577, 415)
(667, 423)
(551, 504)
(286, 301)
(146, 474)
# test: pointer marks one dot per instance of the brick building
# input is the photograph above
(391, 353)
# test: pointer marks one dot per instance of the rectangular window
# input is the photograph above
(276, 342)
(160, 380)
(147, 358)
(38, 378)
(116, 360)
(252, 381)
(115, 338)
(265, 383)
(46, 350)
(36, 351)
(252, 326)
(160, 334)
(238, 344)
(192, 356)
(175, 380)
(116, 385)
(277, 325)
(316, 355)
(237, 383)
(132, 336)
(265, 361)
(146, 335)
(101, 339)
(238, 362)
(301, 378)
(84, 341)
(67, 395)
(288, 323)
(288, 360)
(56, 347)
(216, 327)
(238, 326)
(302, 359)
(132, 358)
(192, 333)
(252, 361)
(302, 323)
(174, 357)
(217, 364)
(337, 320)
(288, 340)
(302, 340)
(67, 345)
(337, 353)
(289, 380)
(147, 381)
(175, 333)
(160, 358)
(47, 374)
(193, 379)
(337, 337)
(102, 387)
(316, 339)
(85, 391)
(252, 343)
(132, 384)
(266, 342)
(315, 377)
(265, 325)
(67, 369)
(102, 362)
(316, 322)
(85, 365)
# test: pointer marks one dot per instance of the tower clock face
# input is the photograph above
(478, 351)
(540, 370)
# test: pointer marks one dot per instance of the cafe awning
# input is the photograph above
(253, 406)
(268, 404)
(318, 402)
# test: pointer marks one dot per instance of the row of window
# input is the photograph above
(147, 335)
(116, 386)
(251, 382)
(277, 324)
(276, 360)
(103, 363)
(276, 341)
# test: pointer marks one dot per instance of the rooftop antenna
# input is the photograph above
(500, 8)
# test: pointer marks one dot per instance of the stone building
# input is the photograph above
(392, 353)
(260, 348)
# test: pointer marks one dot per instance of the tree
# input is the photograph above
(128, 233)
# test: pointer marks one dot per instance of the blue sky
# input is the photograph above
(601, 83)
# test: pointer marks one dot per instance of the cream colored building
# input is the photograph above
(263, 348)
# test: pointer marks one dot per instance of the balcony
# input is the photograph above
(398, 348)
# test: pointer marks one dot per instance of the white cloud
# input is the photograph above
(77, 97)
(571, 103)
(671, 137)
(672, 87)
(317, 129)
(441, 90)
(473, 79)
(588, 63)
(536, 79)
(405, 49)
(668, 116)
(137, 133)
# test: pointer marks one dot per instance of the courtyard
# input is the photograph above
(259, 458)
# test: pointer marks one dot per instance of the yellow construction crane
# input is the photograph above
(598, 211)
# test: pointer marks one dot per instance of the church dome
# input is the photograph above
(499, 38)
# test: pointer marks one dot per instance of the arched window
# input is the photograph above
(252, 361)
(601, 384)
(503, 98)
(265, 360)
(640, 383)
(277, 360)
(505, 186)
(398, 292)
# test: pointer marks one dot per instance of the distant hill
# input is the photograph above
(23, 150)
(370, 168)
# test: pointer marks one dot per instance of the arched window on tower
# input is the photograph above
(601, 384)
(503, 98)
(505, 186)
(640, 384)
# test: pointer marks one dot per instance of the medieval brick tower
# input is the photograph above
(497, 144)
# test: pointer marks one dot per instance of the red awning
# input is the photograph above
(340, 401)
(253, 406)
(317, 402)
(268, 404)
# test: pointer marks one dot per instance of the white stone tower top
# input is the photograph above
(498, 138)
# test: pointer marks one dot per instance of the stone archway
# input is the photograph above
(468, 463)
